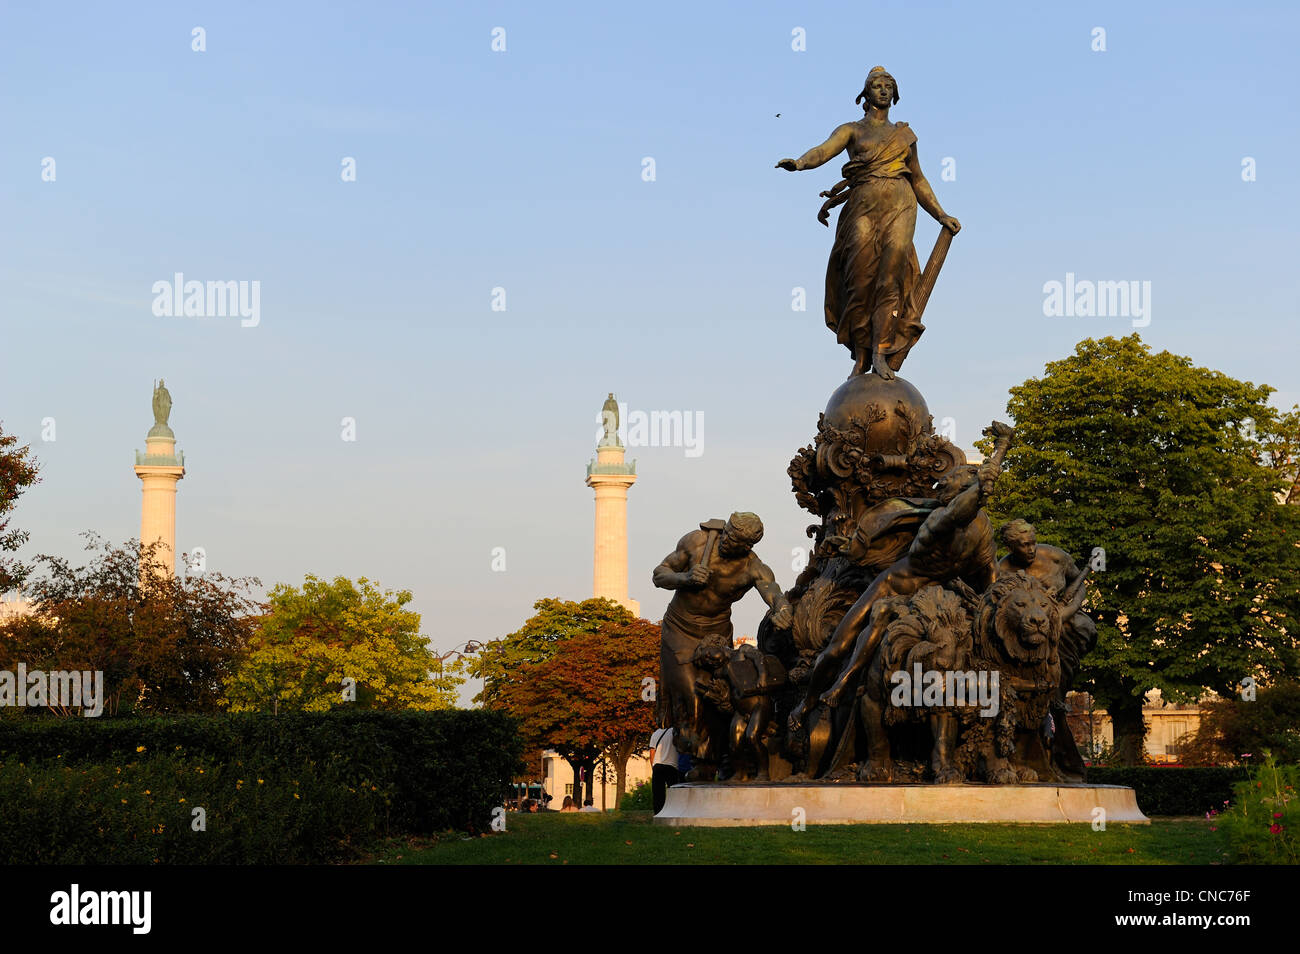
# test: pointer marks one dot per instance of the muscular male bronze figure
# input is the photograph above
(710, 569)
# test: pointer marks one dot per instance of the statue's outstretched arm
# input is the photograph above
(819, 155)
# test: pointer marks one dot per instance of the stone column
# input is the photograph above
(610, 477)
(159, 468)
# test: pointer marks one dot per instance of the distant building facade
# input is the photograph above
(1170, 727)
(558, 779)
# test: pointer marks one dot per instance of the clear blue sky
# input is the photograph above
(523, 169)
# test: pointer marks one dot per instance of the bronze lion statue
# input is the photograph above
(980, 669)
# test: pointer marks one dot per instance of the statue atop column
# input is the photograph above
(162, 410)
(609, 421)
(875, 290)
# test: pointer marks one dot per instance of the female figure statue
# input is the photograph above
(873, 267)
(162, 404)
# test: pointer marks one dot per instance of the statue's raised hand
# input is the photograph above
(789, 165)
(699, 575)
(988, 472)
(1000, 429)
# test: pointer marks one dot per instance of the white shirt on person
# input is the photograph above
(665, 751)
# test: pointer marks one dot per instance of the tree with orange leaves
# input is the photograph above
(592, 696)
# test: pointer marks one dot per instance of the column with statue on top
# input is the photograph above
(159, 468)
(610, 477)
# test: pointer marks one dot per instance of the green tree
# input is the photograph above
(17, 473)
(1281, 445)
(1176, 472)
(332, 644)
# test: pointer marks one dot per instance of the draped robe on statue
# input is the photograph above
(873, 266)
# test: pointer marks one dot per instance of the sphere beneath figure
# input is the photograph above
(893, 412)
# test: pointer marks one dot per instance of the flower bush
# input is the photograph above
(1262, 820)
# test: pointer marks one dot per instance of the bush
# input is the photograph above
(1262, 821)
(638, 799)
(357, 776)
(144, 812)
(1173, 791)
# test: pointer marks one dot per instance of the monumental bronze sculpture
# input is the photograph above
(903, 589)
(874, 289)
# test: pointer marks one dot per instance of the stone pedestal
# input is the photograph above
(722, 805)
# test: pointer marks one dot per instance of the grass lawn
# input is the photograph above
(629, 838)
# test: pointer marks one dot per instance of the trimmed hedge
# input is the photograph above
(357, 776)
(1173, 791)
(143, 812)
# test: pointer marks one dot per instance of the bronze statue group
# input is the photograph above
(904, 577)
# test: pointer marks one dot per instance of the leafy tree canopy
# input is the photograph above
(556, 620)
(591, 694)
(1177, 473)
(319, 645)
